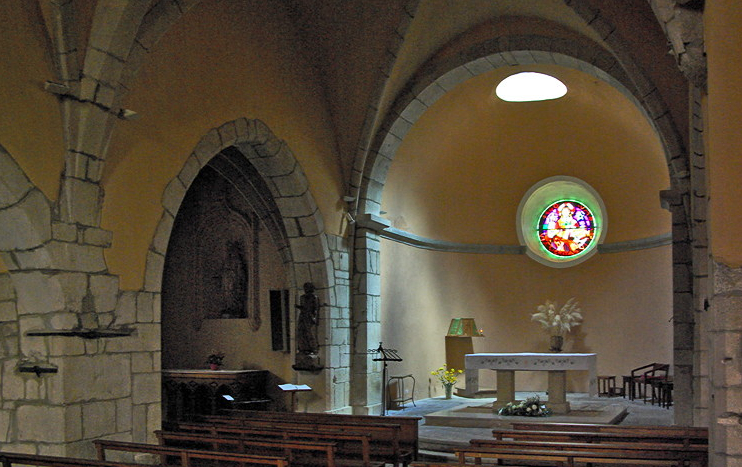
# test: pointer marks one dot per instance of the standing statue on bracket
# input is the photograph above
(307, 340)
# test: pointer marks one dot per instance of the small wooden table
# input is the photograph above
(506, 364)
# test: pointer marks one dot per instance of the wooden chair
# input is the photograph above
(643, 376)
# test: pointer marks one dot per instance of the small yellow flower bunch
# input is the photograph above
(447, 376)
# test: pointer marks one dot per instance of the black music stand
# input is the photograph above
(385, 355)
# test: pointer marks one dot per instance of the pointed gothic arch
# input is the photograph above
(295, 225)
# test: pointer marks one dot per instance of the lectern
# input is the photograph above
(384, 355)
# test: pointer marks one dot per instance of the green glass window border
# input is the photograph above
(543, 194)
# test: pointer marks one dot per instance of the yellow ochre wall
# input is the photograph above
(723, 141)
(30, 123)
(206, 71)
(474, 158)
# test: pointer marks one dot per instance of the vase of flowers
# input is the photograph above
(558, 323)
(448, 378)
(215, 360)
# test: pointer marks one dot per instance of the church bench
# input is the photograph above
(696, 455)
(691, 431)
(188, 457)
(8, 459)
(386, 436)
(348, 445)
(600, 437)
(408, 437)
(297, 452)
(559, 457)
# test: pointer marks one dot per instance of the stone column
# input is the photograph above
(726, 372)
(683, 317)
(365, 373)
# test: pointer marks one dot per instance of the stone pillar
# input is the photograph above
(558, 392)
(366, 374)
(339, 351)
(683, 318)
(700, 260)
(726, 366)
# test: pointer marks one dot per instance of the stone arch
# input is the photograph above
(305, 245)
(25, 213)
(436, 79)
(517, 50)
(301, 241)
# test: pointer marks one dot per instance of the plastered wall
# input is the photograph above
(474, 157)
(195, 80)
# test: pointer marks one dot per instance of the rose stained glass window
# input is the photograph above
(566, 228)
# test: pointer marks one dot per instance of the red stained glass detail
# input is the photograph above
(566, 228)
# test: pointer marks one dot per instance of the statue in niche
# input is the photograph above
(234, 282)
(307, 340)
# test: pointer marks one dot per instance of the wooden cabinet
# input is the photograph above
(187, 394)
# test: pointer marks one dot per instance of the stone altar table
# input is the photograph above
(506, 364)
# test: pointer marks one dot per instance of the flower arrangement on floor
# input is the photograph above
(558, 323)
(448, 377)
(531, 407)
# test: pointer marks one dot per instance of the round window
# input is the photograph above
(561, 221)
(566, 228)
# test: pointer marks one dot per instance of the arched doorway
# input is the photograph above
(266, 196)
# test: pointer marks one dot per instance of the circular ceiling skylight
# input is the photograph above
(530, 86)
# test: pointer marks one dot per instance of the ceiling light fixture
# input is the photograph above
(529, 86)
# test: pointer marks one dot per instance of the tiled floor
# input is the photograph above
(444, 438)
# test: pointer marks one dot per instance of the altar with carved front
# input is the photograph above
(506, 364)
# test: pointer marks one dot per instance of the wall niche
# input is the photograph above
(211, 267)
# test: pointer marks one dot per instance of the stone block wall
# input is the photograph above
(102, 387)
(339, 349)
(725, 328)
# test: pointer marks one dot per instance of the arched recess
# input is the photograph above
(440, 77)
(296, 225)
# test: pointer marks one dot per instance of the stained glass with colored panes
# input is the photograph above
(566, 228)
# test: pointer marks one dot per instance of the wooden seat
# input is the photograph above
(403, 384)
(662, 392)
(642, 377)
(606, 385)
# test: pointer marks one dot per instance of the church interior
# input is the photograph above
(287, 187)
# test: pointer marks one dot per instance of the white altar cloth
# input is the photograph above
(507, 363)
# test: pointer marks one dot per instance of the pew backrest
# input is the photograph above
(408, 435)
(599, 437)
(348, 443)
(295, 450)
(385, 438)
(559, 456)
(187, 455)
(673, 430)
(8, 459)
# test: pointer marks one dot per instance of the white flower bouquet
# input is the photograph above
(558, 323)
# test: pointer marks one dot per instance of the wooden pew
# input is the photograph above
(408, 434)
(673, 430)
(696, 455)
(386, 438)
(348, 445)
(8, 459)
(297, 452)
(599, 437)
(599, 455)
(186, 457)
